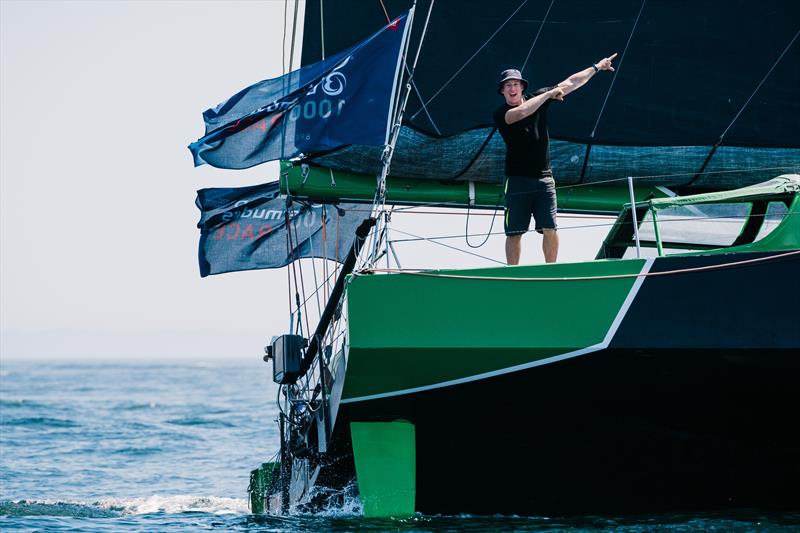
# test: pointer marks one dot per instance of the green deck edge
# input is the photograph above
(386, 461)
(438, 329)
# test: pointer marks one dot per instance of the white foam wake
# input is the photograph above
(176, 504)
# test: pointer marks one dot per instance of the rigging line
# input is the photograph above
(448, 246)
(395, 110)
(408, 211)
(316, 290)
(289, 280)
(294, 33)
(416, 59)
(285, 12)
(755, 169)
(413, 84)
(302, 277)
(674, 175)
(721, 137)
(488, 233)
(760, 84)
(661, 222)
(367, 246)
(336, 248)
(388, 217)
(537, 35)
(618, 69)
(379, 205)
(293, 259)
(314, 270)
(471, 58)
(477, 154)
(388, 20)
(325, 250)
(443, 237)
(608, 94)
(587, 278)
(422, 103)
(329, 338)
(410, 79)
(322, 28)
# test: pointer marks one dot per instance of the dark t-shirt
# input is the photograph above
(527, 141)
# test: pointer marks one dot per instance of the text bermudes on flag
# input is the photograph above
(245, 228)
(345, 99)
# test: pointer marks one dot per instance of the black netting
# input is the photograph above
(467, 156)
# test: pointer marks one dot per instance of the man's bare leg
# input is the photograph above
(513, 249)
(549, 246)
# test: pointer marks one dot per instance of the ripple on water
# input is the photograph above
(41, 421)
(9, 403)
(35, 508)
(198, 421)
(134, 451)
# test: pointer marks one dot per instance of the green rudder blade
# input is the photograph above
(260, 481)
(385, 458)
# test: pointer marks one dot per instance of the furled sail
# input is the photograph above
(703, 94)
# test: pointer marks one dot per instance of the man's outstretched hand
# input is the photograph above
(605, 63)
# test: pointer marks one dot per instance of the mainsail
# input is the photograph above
(705, 96)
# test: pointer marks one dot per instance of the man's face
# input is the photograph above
(512, 91)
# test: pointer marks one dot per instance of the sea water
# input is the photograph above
(169, 446)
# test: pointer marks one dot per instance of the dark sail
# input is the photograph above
(700, 86)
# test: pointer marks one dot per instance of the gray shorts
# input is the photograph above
(530, 196)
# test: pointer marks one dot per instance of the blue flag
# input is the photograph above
(345, 99)
(245, 228)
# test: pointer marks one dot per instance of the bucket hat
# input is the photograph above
(511, 74)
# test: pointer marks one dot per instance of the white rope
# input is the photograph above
(759, 86)
(448, 246)
(314, 269)
(661, 223)
(616, 72)
(537, 35)
(585, 278)
(424, 107)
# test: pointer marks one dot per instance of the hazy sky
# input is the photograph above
(98, 237)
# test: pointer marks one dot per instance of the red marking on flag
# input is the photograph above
(262, 124)
(248, 232)
(393, 25)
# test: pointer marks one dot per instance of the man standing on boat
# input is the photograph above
(530, 188)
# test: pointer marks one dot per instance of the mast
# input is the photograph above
(379, 205)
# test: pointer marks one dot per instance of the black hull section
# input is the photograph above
(693, 406)
(617, 431)
(750, 306)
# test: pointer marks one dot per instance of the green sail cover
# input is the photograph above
(326, 185)
(785, 184)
